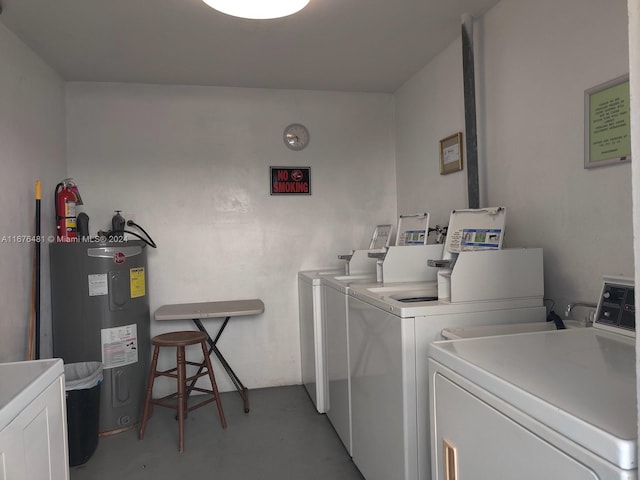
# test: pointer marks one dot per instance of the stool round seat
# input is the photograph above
(179, 339)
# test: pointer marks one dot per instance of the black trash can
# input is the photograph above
(82, 389)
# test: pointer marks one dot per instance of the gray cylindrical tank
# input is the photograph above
(100, 312)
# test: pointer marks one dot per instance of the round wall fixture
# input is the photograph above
(258, 9)
(296, 136)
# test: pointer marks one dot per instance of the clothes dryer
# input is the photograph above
(559, 404)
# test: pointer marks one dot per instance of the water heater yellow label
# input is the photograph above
(137, 282)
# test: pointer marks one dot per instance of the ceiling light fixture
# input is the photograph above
(258, 9)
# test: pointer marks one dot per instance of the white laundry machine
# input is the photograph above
(559, 404)
(336, 296)
(312, 310)
(311, 318)
(390, 329)
(412, 231)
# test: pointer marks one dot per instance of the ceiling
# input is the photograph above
(342, 45)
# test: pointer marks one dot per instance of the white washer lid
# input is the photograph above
(579, 382)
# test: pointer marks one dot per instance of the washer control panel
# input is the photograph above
(617, 307)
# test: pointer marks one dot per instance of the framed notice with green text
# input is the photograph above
(607, 123)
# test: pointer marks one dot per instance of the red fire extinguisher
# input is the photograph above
(67, 198)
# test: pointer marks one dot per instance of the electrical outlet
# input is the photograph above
(127, 217)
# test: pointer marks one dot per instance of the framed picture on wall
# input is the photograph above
(607, 123)
(451, 154)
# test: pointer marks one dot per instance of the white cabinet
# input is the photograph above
(33, 435)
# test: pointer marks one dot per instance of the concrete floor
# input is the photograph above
(281, 437)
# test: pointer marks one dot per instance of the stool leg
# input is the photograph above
(214, 385)
(182, 375)
(147, 399)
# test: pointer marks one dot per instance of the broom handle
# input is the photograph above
(33, 347)
(37, 272)
(32, 315)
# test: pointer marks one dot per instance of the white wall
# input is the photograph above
(192, 165)
(534, 59)
(532, 70)
(430, 107)
(32, 139)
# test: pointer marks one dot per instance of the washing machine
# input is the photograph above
(311, 318)
(412, 230)
(559, 404)
(403, 263)
(336, 296)
(391, 327)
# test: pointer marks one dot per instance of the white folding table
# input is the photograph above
(224, 309)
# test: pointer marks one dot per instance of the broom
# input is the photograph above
(34, 317)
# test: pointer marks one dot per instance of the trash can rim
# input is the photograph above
(82, 375)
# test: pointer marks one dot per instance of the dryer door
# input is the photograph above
(471, 439)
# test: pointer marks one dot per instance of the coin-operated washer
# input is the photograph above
(411, 238)
(312, 304)
(311, 319)
(399, 264)
(358, 261)
(336, 296)
(311, 308)
(558, 404)
(391, 326)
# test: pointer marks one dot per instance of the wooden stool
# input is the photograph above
(181, 340)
